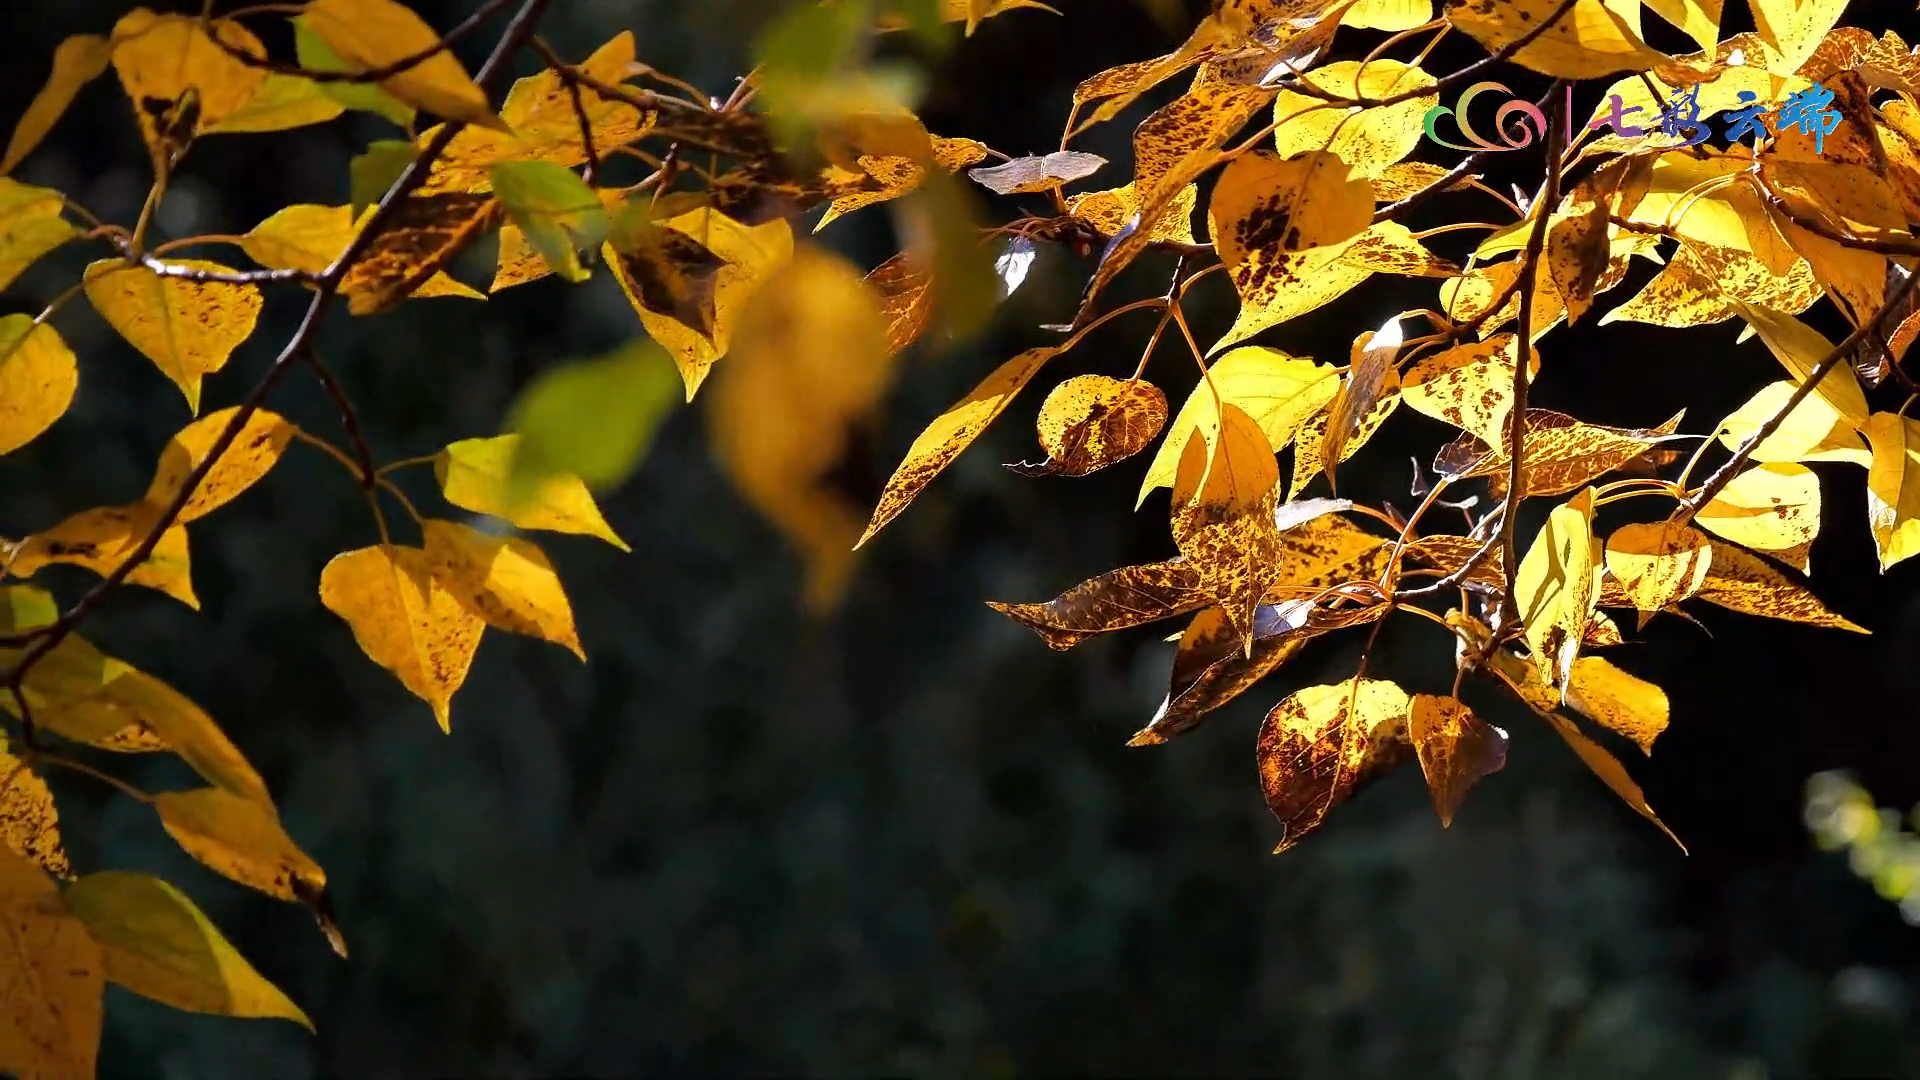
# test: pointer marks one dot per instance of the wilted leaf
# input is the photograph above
(38, 375)
(374, 34)
(951, 433)
(1091, 421)
(52, 980)
(1278, 391)
(1116, 600)
(255, 450)
(29, 821)
(1746, 583)
(1043, 173)
(1319, 745)
(158, 944)
(102, 538)
(1557, 585)
(187, 328)
(405, 620)
(1893, 487)
(1617, 701)
(1456, 749)
(477, 475)
(31, 225)
(1658, 565)
(505, 580)
(1773, 508)
(77, 61)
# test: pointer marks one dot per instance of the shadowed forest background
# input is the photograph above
(908, 839)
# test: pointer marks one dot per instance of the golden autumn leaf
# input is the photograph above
(101, 539)
(1116, 600)
(1370, 140)
(281, 103)
(949, 435)
(905, 289)
(1658, 565)
(1109, 211)
(1774, 507)
(405, 620)
(1577, 253)
(1471, 296)
(1280, 392)
(1744, 582)
(374, 34)
(1893, 487)
(52, 981)
(1562, 453)
(1091, 421)
(810, 361)
(1371, 377)
(883, 178)
(179, 80)
(1469, 386)
(667, 272)
(1795, 27)
(1301, 295)
(157, 943)
(1695, 288)
(187, 328)
(1388, 248)
(1224, 498)
(505, 580)
(29, 821)
(1278, 223)
(1310, 453)
(477, 475)
(31, 225)
(1448, 554)
(1556, 586)
(243, 841)
(1456, 749)
(1628, 706)
(309, 237)
(1219, 103)
(1322, 743)
(418, 239)
(753, 254)
(38, 375)
(1392, 16)
(252, 454)
(1700, 200)
(77, 61)
(1589, 41)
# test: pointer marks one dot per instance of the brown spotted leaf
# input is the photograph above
(1744, 582)
(104, 537)
(1116, 600)
(1562, 453)
(1628, 706)
(1695, 287)
(1224, 498)
(1277, 223)
(52, 978)
(405, 620)
(1557, 585)
(905, 290)
(1091, 421)
(1469, 386)
(1324, 742)
(415, 243)
(1370, 378)
(1456, 749)
(1281, 392)
(1577, 255)
(1773, 507)
(1658, 565)
(29, 822)
(669, 273)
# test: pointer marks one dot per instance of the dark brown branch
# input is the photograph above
(1724, 474)
(46, 639)
(349, 420)
(371, 75)
(579, 108)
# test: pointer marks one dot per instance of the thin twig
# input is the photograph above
(579, 108)
(371, 75)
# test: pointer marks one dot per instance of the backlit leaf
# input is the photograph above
(308, 237)
(1110, 210)
(1746, 583)
(1660, 564)
(404, 620)
(29, 822)
(1589, 41)
(1389, 15)
(371, 34)
(38, 375)
(1371, 376)
(1893, 487)
(1812, 432)
(102, 538)
(252, 454)
(1224, 498)
(1469, 386)
(951, 433)
(505, 580)
(666, 271)
(1773, 508)
(1310, 452)
(77, 61)
(1091, 421)
(1280, 392)
(1628, 706)
(179, 80)
(1800, 348)
(283, 102)
(1456, 749)
(1795, 27)
(1556, 587)
(315, 54)
(1577, 255)
(1322, 743)
(416, 241)
(1696, 287)
(1043, 173)
(1368, 140)
(187, 328)
(242, 841)
(52, 979)
(31, 225)
(1562, 453)
(1278, 223)
(477, 475)
(1388, 248)
(158, 944)
(1116, 600)
(905, 290)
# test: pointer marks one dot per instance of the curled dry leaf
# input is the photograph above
(1456, 749)
(1109, 212)
(1091, 421)
(405, 620)
(1042, 173)
(1448, 554)
(1310, 455)
(1658, 565)
(1320, 745)
(1773, 508)
(1577, 255)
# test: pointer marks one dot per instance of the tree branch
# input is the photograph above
(371, 75)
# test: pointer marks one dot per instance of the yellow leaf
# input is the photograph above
(1224, 497)
(1587, 42)
(1855, 198)
(1893, 487)
(1392, 16)
(31, 225)
(668, 273)
(1456, 749)
(1371, 379)
(1297, 296)
(1773, 508)
(373, 34)
(1389, 248)
(420, 237)
(1211, 112)
(1278, 223)
(308, 237)
(38, 375)
(753, 254)
(1658, 565)
(102, 538)
(187, 328)
(905, 290)
(179, 80)
(1617, 701)
(1469, 386)
(1812, 432)
(1116, 600)
(1310, 454)
(1744, 582)
(810, 361)
(51, 979)
(77, 61)
(1316, 747)
(505, 580)
(1702, 200)
(1110, 210)
(1577, 255)
(1471, 296)
(29, 821)
(1091, 421)
(1406, 178)
(1694, 289)
(244, 841)
(404, 620)
(252, 454)
(1795, 27)
(1368, 140)
(282, 103)
(477, 475)
(1562, 453)
(159, 944)
(1556, 586)
(1698, 19)
(1280, 392)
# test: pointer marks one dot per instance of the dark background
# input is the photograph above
(909, 839)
